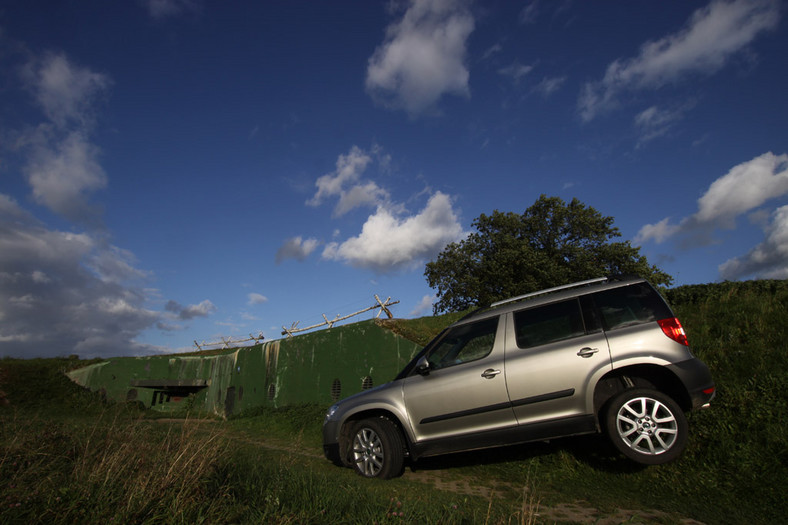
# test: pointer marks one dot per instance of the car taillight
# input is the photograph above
(673, 329)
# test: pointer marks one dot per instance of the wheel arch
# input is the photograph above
(644, 375)
(345, 433)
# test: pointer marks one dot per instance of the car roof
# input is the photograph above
(547, 296)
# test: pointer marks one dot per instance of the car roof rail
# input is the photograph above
(550, 290)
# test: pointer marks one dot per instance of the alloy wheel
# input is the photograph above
(647, 426)
(368, 452)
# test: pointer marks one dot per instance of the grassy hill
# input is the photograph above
(67, 456)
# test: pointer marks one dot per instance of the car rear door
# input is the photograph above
(552, 353)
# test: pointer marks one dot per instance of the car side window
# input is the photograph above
(464, 344)
(630, 305)
(548, 324)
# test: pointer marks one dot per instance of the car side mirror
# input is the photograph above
(423, 366)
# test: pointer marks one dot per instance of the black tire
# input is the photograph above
(377, 449)
(646, 426)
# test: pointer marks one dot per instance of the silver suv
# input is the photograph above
(604, 355)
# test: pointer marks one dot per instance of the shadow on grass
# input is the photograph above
(594, 451)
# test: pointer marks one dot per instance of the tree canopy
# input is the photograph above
(550, 244)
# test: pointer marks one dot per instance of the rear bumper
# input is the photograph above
(697, 379)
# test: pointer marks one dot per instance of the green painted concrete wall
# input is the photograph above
(318, 367)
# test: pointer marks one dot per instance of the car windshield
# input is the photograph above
(463, 344)
(410, 366)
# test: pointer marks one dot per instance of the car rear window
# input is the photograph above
(630, 305)
(548, 324)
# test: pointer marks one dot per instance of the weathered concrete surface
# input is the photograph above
(318, 367)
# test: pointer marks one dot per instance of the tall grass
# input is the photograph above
(117, 470)
(741, 445)
(108, 470)
(66, 456)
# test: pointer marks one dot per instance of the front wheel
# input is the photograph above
(646, 426)
(377, 450)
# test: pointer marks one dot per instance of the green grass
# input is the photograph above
(423, 329)
(66, 456)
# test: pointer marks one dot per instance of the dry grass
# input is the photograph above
(114, 470)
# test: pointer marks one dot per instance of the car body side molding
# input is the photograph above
(569, 392)
(465, 413)
(514, 435)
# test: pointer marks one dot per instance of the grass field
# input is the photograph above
(68, 457)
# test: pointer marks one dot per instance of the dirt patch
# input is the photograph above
(448, 480)
(187, 421)
(579, 511)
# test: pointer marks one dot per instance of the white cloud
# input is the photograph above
(366, 194)
(246, 316)
(711, 37)
(204, 309)
(296, 248)
(115, 265)
(10, 210)
(61, 175)
(492, 50)
(66, 92)
(388, 242)
(40, 277)
(185, 313)
(769, 259)
(63, 293)
(515, 72)
(549, 85)
(349, 169)
(62, 163)
(655, 122)
(160, 9)
(256, 298)
(422, 57)
(744, 188)
(529, 13)
(424, 306)
(658, 232)
(345, 182)
(390, 239)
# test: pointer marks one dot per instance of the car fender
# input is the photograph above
(387, 398)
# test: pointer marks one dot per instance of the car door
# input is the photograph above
(552, 353)
(464, 390)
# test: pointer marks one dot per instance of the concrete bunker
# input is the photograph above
(318, 367)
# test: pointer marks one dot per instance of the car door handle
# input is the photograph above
(490, 373)
(587, 352)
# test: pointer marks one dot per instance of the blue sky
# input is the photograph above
(180, 170)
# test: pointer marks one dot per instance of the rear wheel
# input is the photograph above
(646, 426)
(377, 450)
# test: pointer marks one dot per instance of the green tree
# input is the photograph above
(550, 244)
